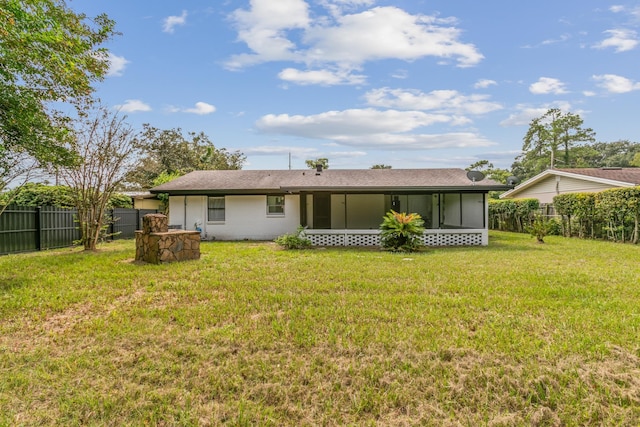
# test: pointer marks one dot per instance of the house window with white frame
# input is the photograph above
(275, 205)
(216, 209)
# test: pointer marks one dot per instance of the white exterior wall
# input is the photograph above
(245, 217)
(551, 186)
(185, 211)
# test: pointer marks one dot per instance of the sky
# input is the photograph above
(405, 83)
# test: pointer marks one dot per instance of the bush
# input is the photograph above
(512, 214)
(297, 240)
(540, 227)
(401, 232)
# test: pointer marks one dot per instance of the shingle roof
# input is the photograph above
(253, 181)
(627, 175)
(615, 177)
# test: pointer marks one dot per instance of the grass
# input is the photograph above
(512, 334)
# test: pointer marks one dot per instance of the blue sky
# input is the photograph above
(407, 83)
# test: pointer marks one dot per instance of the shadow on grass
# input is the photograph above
(8, 284)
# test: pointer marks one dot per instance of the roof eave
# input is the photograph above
(337, 189)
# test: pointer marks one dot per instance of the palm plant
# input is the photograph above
(401, 232)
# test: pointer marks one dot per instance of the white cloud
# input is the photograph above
(525, 113)
(439, 100)
(344, 40)
(400, 74)
(546, 85)
(264, 29)
(201, 108)
(171, 22)
(634, 12)
(616, 84)
(388, 32)
(371, 128)
(117, 65)
(621, 40)
(274, 150)
(338, 7)
(484, 83)
(321, 77)
(133, 106)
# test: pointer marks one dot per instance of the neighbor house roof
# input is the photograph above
(347, 180)
(615, 177)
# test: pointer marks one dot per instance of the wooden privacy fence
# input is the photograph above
(28, 229)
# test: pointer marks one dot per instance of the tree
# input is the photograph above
(490, 171)
(15, 168)
(322, 161)
(106, 146)
(380, 166)
(169, 152)
(548, 134)
(163, 178)
(62, 196)
(48, 53)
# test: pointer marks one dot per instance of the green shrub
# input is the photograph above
(401, 232)
(512, 214)
(540, 228)
(297, 240)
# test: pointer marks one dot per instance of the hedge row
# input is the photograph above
(512, 214)
(612, 214)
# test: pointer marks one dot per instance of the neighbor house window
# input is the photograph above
(216, 209)
(275, 205)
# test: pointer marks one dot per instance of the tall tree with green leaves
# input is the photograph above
(48, 54)
(490, 171)
(314, 163)
(549, 134)
(171, 153)
(107, 147)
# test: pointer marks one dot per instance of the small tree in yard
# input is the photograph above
(401, 232)
(539, 228)
(105, 145)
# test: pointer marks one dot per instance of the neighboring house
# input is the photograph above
(143, 200)
(338, 207)
(548, 184)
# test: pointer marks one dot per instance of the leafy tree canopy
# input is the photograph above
(312, 164)
(381, 166)
(169, 153)
(62, 196)
(548, 134)
(48, 53)
(490, 171)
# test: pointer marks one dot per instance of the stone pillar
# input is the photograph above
(156, 244)
(155, 223)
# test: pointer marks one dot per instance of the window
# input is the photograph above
(216, 209)
(275, 205)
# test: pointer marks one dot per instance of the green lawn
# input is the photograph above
(516, 333)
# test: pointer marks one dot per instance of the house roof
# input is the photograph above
(346, 180)
(616, 177)
(139, 194)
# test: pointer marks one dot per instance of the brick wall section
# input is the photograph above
(156, 244)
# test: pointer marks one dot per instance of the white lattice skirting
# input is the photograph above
(372, 237)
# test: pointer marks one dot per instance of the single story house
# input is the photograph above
(337, 207)
(143, 200)
(548, 184)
